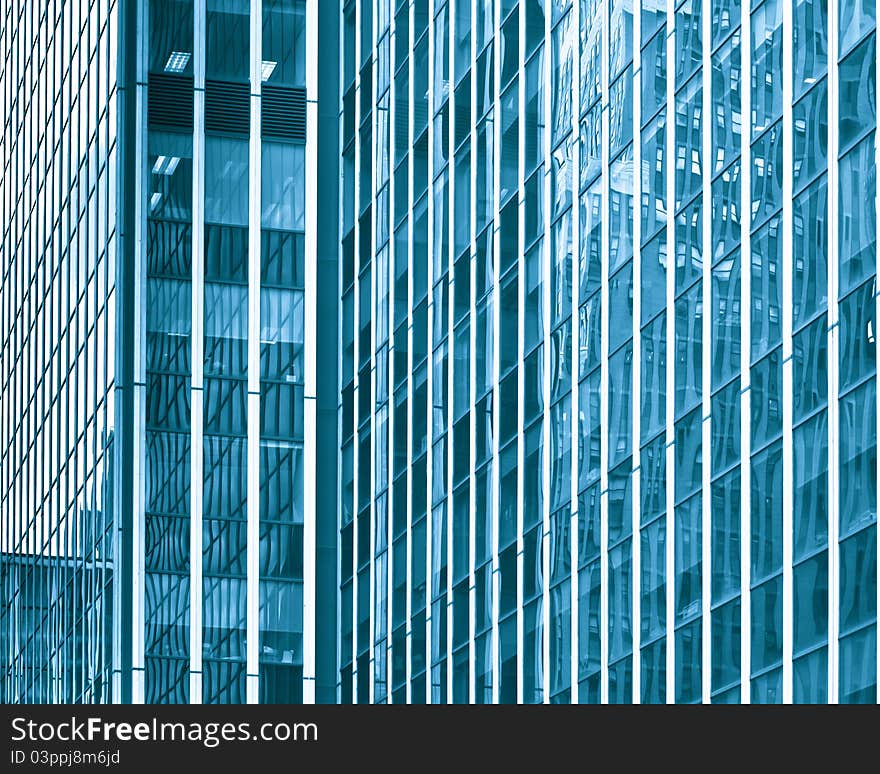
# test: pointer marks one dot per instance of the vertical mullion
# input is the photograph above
(372, 377)
(636, 360)
(310, 355)
(574, 512)
(833, 361)
(429, 335)
(708, 317)
(669, 156)
(604, 377)
(356, 526)
(198, 348)
(745, 357)
(138, 501)
(253, 360)
(787, 363)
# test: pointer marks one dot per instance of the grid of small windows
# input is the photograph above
(58, 244)
(695, 535)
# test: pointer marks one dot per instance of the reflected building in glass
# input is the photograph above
(608, 359)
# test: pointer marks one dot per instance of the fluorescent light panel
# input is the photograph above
(177, 62)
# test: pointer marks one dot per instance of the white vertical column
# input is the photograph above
(745, 357)
(429, 334)
(669, 156)
(372, 301)
(877, 413)
(636, 620)
(138, 92)
(356, 526)
(253, 360)
(603, 378)
(429, 623)
(708, 318)
(392, 253)
(310, 319)
(833, 361)
(521, 279)
(787, 363)
(576, 227)
(198, 358)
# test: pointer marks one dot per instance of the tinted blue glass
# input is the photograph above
(767, 166)
(857, 240)
(688, 662)
(688, 349)
(725, 17)
(620, 306)
(767, 689)
(652, 482)
(810, 467)
(654, 176)
(653, 387)
(620, 110)
(589, 607)
(766, 398)
(809, 251)
(726, 521)
(766, 29)
(726, 100)
(589, 515)
(856, 18)
(767, 512)
(726, 428)
(858, 458)
(767, 619)
(620, 404)
(590, 435)
(620, 501)
(654, 263)
(689, 244)
(810, 678)
(858, 579)
(653, 580)
(726, 645)
(858, 667)
(688, 141)
(766, 301)
(726, 321)
(810, 584)
(653, 68)
(858, 350)
(810, 365)
(620, 245)
(654, 673)
(810, 125)
(619, 601)
(688, 558)
(857, 95)
(810, 36)
(688, 455)
(688, 39)
(620, 682)
(726, 211)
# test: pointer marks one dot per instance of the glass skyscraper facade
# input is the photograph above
(608, 360)
(59, 158)
(428, 351)
(160, 292)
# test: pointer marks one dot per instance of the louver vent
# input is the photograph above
(170, 101)
(284, 113)
(227, 108)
